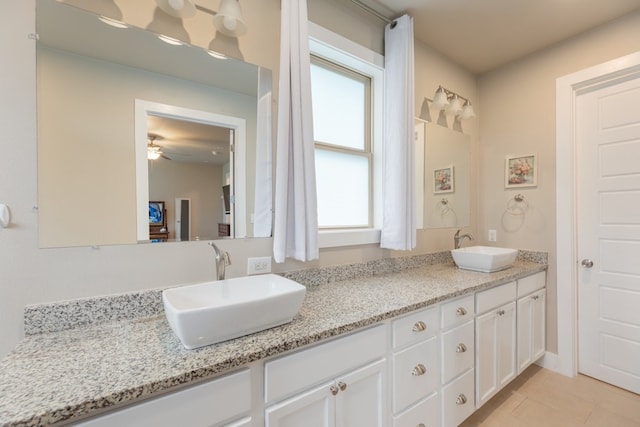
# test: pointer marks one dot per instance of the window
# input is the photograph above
(342, 134)
(347, 90)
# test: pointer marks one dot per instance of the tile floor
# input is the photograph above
(540, 397)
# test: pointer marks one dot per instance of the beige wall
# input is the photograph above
(518, 117)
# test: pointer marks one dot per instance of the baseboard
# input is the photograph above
(554, 363)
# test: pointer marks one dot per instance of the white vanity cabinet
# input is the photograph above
(495, 340)
(341, 383)
(416, 369)
(221, 401)
(531, 319)
(457, 367)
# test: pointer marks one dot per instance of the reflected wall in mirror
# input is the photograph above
(89, 76)
(446, 177)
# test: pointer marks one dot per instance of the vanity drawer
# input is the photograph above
(529, 284)
(303, 369)
(415, 373)
(495, 297)
(458, 351)
(458, 400)
(416, 327)
(457, 312)
(425, 413)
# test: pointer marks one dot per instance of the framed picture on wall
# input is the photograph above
(443, 180)
(157, 214)
(521, 171)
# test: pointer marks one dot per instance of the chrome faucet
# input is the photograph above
(222, 260)
(457, 239)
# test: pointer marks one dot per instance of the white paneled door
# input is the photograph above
(608, 190)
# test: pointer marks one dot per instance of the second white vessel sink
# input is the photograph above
(211, 312)
(486, 259)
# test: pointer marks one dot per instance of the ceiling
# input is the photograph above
(481, 35)
(185, 141)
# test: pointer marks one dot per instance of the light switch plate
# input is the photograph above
(493, 236)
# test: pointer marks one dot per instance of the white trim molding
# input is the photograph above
(568, 88)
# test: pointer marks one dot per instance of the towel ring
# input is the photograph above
(517, 206)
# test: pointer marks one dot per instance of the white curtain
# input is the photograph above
(295, 233)
(398, 218)
(262, 217)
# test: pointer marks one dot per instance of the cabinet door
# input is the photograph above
(315, 408)
(361, 400)
(531, 329)
(495, 351)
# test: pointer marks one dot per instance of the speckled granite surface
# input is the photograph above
(57, 376)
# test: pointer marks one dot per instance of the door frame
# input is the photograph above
(568, 88)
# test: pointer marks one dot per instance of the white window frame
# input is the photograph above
(340, 50)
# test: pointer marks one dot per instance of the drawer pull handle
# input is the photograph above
(500, 312)
(342, 386)
(461, 311)
(421, 425)
(419, 370)
(334, 390)
(535, 297)
(419, 326)
(461, 400)
(461, 348)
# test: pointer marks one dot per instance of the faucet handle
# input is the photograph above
(226, 257)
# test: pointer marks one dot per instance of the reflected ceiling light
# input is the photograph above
(452, 103)
(178, 8)
(113, 22)
(228, 20)
(170, 40)
(153, 151)
(217, 55)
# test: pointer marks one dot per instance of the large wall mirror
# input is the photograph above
(443, 162)
(107, 97)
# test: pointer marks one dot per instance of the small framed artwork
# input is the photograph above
(443, 180)
(521, 171)
(156, 214)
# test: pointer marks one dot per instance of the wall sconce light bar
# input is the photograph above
(452, 102)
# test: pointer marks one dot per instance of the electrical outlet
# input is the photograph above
(259, 265)
(493, 236)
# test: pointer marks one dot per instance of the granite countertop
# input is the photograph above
(53, 377)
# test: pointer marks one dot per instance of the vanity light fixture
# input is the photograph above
(178, 8)
(452, 103)
(228, 20)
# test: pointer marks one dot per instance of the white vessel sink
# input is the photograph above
(211, 312)
(486, 259)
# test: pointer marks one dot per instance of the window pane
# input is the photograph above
(342, 182)
(338, 108)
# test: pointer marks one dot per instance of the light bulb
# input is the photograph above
(230, 23)
(467, 111)
(176, 4)
(455, 105)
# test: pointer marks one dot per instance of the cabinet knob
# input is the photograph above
(334, 390)
(342, 386)
(418, 370)
(461, 400)
(461, 348)
(535, 297)
(500, 312)
(461, 311)
(419, 326)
